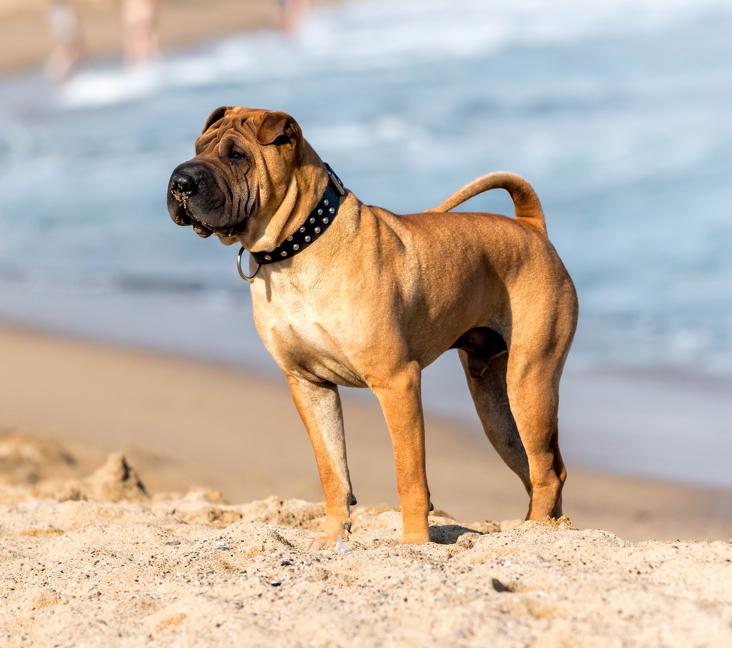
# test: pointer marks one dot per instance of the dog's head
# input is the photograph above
(243, 168)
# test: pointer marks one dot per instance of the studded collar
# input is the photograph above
(312, 228)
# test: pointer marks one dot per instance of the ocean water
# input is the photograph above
(618, 112)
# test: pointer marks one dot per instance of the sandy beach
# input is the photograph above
(94, 560)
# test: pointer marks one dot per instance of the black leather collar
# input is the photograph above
(319, 220)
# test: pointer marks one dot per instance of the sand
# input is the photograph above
(94, 560)
(117, 468)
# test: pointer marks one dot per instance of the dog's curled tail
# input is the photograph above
(525, 201)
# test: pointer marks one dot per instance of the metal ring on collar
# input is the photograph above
(247, 278)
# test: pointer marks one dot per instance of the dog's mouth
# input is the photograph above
(184, 217)
(201, 229)
(204, 230)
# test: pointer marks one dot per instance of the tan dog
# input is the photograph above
(369, 298)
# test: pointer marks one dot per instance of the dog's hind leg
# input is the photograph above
(487, 383)
(533, 393)
(319, 406)
(538, 349)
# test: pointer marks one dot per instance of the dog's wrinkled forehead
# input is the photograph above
(222, 121)
(262, 127)
(234, 116)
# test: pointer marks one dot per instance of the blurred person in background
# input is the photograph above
(139, 33)
(291, 13)
(68, 49)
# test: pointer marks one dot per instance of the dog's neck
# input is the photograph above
(307, 184)
(309, 230)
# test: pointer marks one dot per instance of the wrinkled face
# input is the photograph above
(242, 167)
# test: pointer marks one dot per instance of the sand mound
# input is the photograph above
(37, 464)
(112, 564)
(115, 481)
(28, 460)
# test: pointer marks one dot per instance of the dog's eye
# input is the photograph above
(237, 155)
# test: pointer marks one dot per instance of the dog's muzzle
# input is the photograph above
(195, 198)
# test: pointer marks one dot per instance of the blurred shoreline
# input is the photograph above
(25, 40)
(184, 421)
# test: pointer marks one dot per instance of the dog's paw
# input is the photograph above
(334, 535)
(330, 541)
(416, 537)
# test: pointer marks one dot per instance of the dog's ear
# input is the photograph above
(278, 128)
(215, 116)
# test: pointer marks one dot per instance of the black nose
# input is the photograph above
(183, 183)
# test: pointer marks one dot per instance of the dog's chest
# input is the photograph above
(308, 337)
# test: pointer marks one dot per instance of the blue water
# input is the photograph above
(619, 112)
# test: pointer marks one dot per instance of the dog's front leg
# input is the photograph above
(401, 401)
(319, 406)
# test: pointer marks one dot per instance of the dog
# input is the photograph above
(345, 293)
